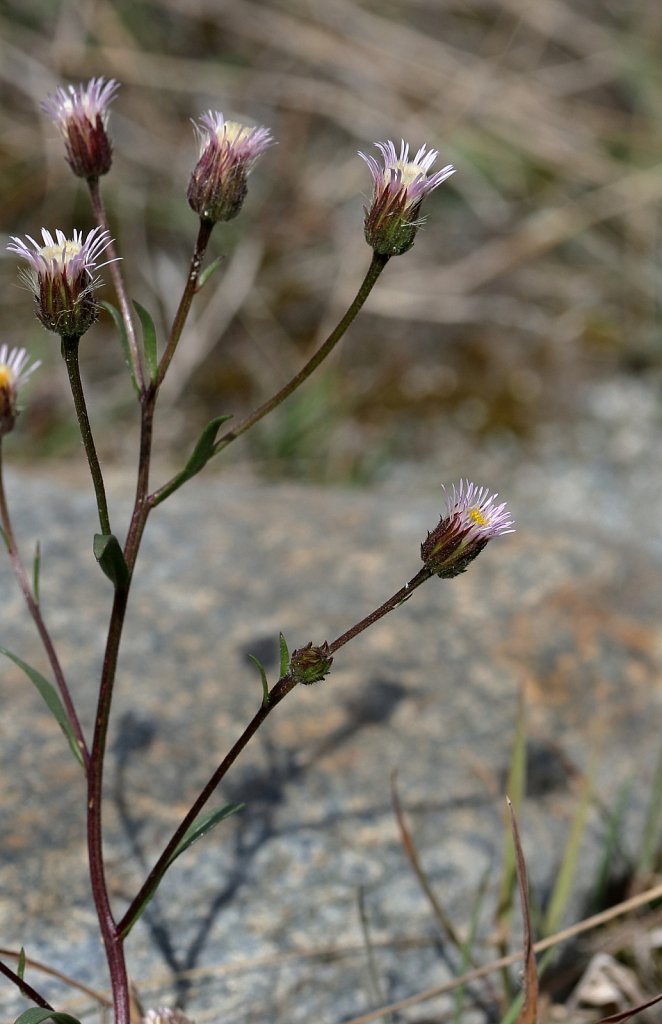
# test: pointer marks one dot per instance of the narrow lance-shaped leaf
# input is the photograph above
(200, 456)
(20, 969)
(108, 554)
(207, 272)
(36, 1015)
(149, 340)
(121, 330)
(50, 696)
(284, 657)
(263, 677)
(203, 824)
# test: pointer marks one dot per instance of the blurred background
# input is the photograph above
(525, 318)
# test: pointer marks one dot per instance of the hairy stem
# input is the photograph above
(401, 595)
(23, 986)
(376, 266)
(118, 282)
(277, 693)
(70, 355)
(204, 234)
(35, 613)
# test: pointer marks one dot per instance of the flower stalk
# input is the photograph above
(70, 356)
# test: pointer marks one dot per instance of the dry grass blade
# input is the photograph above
(529, 1010)
(652, 894)
(373, 973)
(624, 1015)
(408, 846)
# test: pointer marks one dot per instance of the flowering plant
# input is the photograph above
(63, 274)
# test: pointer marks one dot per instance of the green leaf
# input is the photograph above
(121, 330)
(108, 554)
(284, 657)
(200, 456)
(36, 1015)
(149, 340)
(4, 537)
(206, 274)
(49, 694)
(36, 567)
(20, 970)
(263, 677)
(201, 826)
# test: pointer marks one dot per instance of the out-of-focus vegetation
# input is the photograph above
(538, 269)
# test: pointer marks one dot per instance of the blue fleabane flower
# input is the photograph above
(228, 152)
(399, 188)
(15, 368)
(62, 275)
(472, 518)
(81, 115)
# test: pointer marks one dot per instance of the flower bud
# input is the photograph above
(61, 274)
(14, 371)
(228, 152)
(471, 520)
(81, 115)
(399, 188)
(310, 664)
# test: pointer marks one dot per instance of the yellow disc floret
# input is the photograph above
(477, 516)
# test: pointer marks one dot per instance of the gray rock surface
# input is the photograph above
(259, 922)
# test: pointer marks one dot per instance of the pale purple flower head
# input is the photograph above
(472, 518)
(228, 152)
(81, 115)
(400, 185)
(162, 1015)
(15, 368)
(61, 274)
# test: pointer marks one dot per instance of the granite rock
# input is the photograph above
(260, 922)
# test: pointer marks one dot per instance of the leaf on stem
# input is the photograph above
(20, 969)
(49, 694)
(284, 667)
(121, 330)
(198, 459)
(108, 554)
(36, 1015)
(199, 828)
(263, 676)
(149, 340)
(207, 272)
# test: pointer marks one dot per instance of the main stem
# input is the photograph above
(70, 355)
(111, 933)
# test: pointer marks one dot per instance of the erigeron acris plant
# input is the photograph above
(63, 274)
